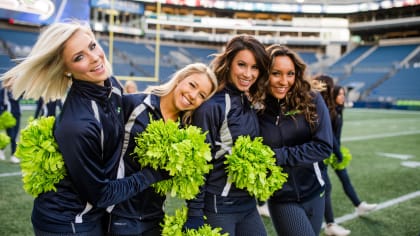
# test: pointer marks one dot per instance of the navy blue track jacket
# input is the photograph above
(144, 210)
(89, 133)
(297, 149)
(337, 127)
(226, 116)
(8, 103)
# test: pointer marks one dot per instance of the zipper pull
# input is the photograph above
(277, 120)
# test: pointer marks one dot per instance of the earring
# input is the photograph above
(68, 75)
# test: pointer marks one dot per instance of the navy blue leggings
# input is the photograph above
(297, 219)
(348, 189)
(13, 133)
(238, 224)
(328, 214)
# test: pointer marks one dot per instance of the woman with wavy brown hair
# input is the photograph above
(241, 70)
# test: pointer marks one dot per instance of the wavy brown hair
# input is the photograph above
(223, 61)
(188, 70)
(300, 97)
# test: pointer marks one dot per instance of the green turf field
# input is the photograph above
(385, 145)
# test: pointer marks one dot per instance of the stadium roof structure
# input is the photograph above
(294, 6)
(323, 2)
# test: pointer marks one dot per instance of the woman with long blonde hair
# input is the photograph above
(174, 100)
(67, 62)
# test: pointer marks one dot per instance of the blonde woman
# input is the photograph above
(67, 60)
(174, 100)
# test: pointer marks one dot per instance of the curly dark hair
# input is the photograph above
(300, 96)
(222, 62)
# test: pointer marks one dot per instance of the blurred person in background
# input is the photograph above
(362, 207)
(334, 97)
(325, 85)
(130, 86)
(10, 104)
(67, 60)
(47, 108)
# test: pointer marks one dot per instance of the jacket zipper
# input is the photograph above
(278, 117)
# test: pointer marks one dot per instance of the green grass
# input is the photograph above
(367, 133)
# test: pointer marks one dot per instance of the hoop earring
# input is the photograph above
(68, 75)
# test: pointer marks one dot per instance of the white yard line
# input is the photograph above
(395, 155)
(385, 111)
(10, 174)
(377, 121)
(375, 136)
(389, 202)
(410, 164)
(381, 206)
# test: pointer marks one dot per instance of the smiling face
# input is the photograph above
(244, 70)
(84, 58)
(282, 76)
(341, 97)
(192, 91)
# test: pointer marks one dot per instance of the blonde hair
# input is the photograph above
(194, 68)
(41, 73)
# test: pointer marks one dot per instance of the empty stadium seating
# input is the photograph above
(372, 72)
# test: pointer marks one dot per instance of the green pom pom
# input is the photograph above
(41, 163)
(182, 152)
(252, 166)
(333, 161)
(7, 120)
(4, 140)
(172, 226)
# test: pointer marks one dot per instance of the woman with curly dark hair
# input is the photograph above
(296, 125)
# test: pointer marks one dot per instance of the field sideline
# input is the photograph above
(385, 169)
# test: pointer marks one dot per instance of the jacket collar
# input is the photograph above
(93, 91)
(231, 88)
(152, 101)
